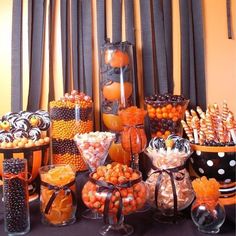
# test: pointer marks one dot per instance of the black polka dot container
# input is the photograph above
(218, 163)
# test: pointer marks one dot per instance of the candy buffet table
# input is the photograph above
(142, 223)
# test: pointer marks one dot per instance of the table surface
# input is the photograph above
(143, 223)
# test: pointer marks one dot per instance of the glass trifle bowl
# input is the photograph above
(170, 189)
(115, 190)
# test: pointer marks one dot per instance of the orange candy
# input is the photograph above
(133, 198)
(62, 208)
(116, 58)
(113, 91)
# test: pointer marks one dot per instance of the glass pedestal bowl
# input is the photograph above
(94, 147)
(113, 195)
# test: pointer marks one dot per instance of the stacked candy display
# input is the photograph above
(70, 115)
(165, 112)
(24, 129)
(117, 89)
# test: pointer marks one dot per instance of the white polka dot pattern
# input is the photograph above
(221, 171)
(232, 163)
(201, 170)
(210, 163)
(221, 154)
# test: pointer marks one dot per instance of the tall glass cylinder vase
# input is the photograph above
(117, 87)
(16, 198)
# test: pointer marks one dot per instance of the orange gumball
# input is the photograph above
(113, 91)
(112, 122)
(119, 59)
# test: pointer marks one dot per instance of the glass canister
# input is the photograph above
(133, 137)
(57, 195)
(71, 115)
(16, 196)
(170, 189)
(165, 112)
(207, 213)
(117, 89)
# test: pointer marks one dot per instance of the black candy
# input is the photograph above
(15, 197)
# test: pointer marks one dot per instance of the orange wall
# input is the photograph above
(220, 53)
(5, 56)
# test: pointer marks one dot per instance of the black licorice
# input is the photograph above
(15, 192)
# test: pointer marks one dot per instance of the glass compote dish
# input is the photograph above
(170, 189)
(94, 147)
(133, 137)
(115, 190)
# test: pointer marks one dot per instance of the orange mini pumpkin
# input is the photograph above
(112, 91)
(116, 58)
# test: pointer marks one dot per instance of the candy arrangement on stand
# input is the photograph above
(58, 195)
(24, 129)
(165, 112)
(212, 134)
(70, 115)
(24, 134)
(117, 89)
(15, 193)
(115, 190)
(169, 183)
(94, 148)
(133, 137)
(207, 212)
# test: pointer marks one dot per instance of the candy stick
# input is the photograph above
(202, 137)
(210, 132)
(195, 126)
(187, 130)
(201, 113)
(203, 126)
(230, 126)
(217, 110)
(194, 114)
(188, 119)
(220, 130)
(225, 111)
(213, 116)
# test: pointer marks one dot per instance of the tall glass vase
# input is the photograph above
(117, 89)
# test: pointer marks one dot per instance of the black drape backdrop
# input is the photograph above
(79, 37)
(192, 53)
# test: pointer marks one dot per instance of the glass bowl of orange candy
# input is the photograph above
(57, 194)
(165, 112)
(115, 190)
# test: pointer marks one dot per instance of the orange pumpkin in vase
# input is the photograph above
(117, 91)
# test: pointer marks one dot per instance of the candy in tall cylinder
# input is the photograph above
(116, 82)
(117, 91)
(15, 193)
(70, 115)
